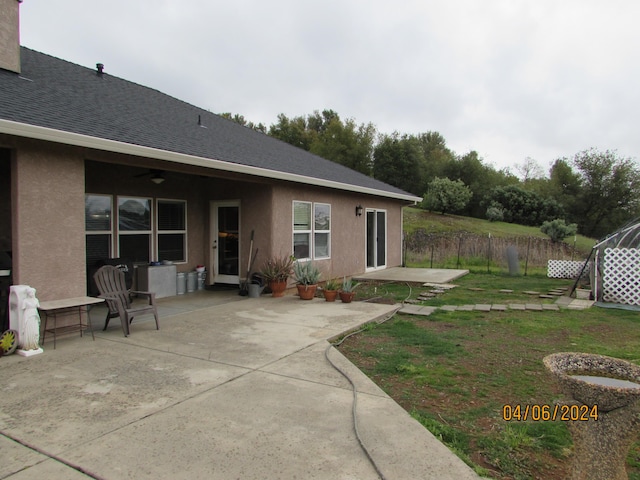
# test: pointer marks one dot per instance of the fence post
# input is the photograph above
(432, 247)
(459, 249)
(526, 261)
(489, 254)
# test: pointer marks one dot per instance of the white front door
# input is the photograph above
(224, 240)
(376, 239)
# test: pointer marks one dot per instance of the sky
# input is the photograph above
(510, 79)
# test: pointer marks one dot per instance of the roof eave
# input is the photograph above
(68, 138)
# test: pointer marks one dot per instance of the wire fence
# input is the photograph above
(484, 252)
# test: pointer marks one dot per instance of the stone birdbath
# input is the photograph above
(603, 412)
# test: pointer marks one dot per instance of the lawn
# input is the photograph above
(454, 371)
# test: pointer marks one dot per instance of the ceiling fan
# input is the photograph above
(157, 176)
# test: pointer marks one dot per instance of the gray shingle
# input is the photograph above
(57, 94)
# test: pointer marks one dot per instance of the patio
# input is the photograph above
(241, 389)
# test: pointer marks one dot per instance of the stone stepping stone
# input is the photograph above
(449, 308)
(533, 306)
(435, 292)
(466, 308)
(427, 294)
(551, 306)
(506, 290)
(531, 292)
(412, 301)
(517, 306)
(474, 289)
(417, 310)
(499, 308)
(483, 307)
(556, 294)
(564, 300)
(546, 296)
(445, 286)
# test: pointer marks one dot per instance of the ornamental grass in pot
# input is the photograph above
(276, 271)
(330, 290)
(347, 291)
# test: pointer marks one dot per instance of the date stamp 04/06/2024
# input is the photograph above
(543, 413)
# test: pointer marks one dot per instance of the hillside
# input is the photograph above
(451, 225)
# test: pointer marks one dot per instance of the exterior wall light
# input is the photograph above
(358, 210)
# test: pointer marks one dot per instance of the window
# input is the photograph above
(172, 230)
(321, 230)
(98, 227)
(311, 233)
(134, 229)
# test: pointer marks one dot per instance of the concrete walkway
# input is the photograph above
(240, 390)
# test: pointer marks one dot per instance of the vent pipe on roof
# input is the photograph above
(100, 68)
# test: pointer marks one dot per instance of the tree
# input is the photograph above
(260, 127)
(398, 161)
(345, 143)
(529, 170)
(293, 131)
(558, 230)
(523, 206)
(446, 195)
(436, 156)
(480, 178)
(609, 193)
(327, 136)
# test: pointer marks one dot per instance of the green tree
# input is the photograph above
(293, 131)
(345, 143)
(260, 127)
(524, 206)
(558, 230)
(446, 195)
(436, 156)
(480, 178)
(398, 161)
(609, 193)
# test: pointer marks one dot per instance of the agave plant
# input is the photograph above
(306, 273)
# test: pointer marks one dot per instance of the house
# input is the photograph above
(94, 167)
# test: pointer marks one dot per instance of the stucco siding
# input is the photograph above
(47, 214)
(348, 231)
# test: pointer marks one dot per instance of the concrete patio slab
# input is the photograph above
(418, 275)
(238, 390)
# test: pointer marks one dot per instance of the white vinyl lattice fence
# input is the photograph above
(621, 277)
(565, 269)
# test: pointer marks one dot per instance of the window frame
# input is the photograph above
(110, 231)
(317, 231)
(149, 233)
(159, 232)
(311, 231)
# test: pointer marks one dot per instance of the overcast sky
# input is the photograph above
(508, 78)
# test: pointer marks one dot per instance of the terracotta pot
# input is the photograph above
(277, 288)
(347, 297)
(330, 295)
(307, 292)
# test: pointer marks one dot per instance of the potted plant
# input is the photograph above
(330, 290)
(347, 291)
(276, 272)
(307, 276)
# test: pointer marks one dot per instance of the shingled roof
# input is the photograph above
(57, 100)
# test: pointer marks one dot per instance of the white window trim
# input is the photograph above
(328, 232)
(312, 231)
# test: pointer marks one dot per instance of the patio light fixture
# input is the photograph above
(157, 178)
(358, 210)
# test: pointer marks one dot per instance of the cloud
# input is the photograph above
(508, 78)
